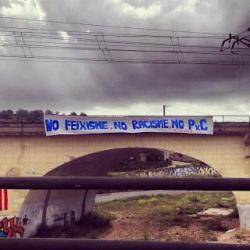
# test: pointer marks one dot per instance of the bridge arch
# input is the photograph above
(60, 207)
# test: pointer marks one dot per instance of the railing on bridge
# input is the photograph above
(226, 118)
(36, 183)
(231, 118)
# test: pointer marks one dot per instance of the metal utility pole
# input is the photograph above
(164, 110)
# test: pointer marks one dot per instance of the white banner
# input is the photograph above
(72, 125)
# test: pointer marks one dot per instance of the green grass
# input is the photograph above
(199, 200)
(168, 209)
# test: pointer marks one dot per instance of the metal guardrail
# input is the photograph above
(70, 244)
(231, 118)
(125, 183)
(206, 184)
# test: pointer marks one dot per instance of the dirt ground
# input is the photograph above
(236, 235)
(162, 218)
(169, 218)
(196, 229)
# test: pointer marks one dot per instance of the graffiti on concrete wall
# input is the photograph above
(65, 219)
(178, 171)
(4, 199)
(13, 227)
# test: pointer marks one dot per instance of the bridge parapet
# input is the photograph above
(220, 128)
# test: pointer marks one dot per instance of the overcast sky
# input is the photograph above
(122, 89)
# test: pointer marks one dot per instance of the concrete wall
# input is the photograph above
(37, 155)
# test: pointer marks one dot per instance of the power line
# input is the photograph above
(121, 44)
(108, 26)
(93, 39)
(122, 61)
(114, 34)
(26, 43)
(118, 49)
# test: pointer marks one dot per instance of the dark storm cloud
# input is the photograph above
(68, 86)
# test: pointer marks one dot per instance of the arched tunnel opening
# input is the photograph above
(64, 208)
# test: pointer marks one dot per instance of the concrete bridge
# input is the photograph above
(26, 151)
